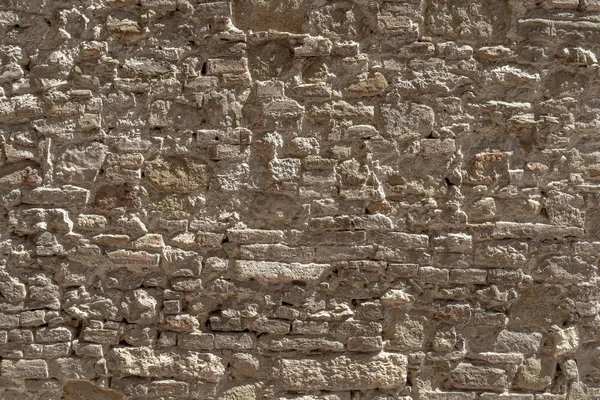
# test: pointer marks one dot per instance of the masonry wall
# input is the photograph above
(299, 199)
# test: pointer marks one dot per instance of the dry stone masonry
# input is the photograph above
(299, 199)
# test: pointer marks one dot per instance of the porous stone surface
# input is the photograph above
(299, 199)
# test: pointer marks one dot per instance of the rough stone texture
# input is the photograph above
(299, 199)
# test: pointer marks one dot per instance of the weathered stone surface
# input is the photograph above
(147, 362)
(469, 376)
(518, 342)
(278, 272)
(77, 165)
(299, 199)
(24, 369)
(385, 371)
(175, 175)
(260, 15)
(534, 374)
(82, 390)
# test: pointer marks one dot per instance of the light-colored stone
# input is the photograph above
(278, 272)
(384, 371)
(147, 362)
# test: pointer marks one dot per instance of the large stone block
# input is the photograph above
(176, 175)
(476, 377)
(261, 15)
(24, 369)
(151, 363)
(383, 371)
(278, 272)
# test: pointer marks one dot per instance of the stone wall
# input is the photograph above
(299, 199)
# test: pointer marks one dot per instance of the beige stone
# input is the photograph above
(385, 371)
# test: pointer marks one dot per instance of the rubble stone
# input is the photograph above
(299, 199)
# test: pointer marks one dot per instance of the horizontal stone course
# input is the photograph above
(385, 371)
(299, 200)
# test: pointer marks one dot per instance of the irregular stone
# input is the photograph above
(80, 164)
(24, 369)
(407, 120)
(535, 374)
(175, 175)
(27, 177)
(369, 87)
(141, 307)
(566, 341)
(408, 335)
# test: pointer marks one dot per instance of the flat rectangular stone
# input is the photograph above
(168, 388)
(106, 336)
(310, 327)
(550, 396)
(57, 334)
(505, 230)
(562, 3)
(365, 344)
(403, 270)
(136, 258)
(518, 342)
(234, 341)
(468, 276)
(497, 358)
(505, 396)
(448, 396)
(339, 253)
(276, 252)
(251, 236)
(32, 318)
(177, 364)
(383, 371)
(432, 275)
(306, 345)
(475, 377)
(196, 341)
(217, 66)
(454, 243)
(339, 237)
(511, 255)
(65, 196)
(24, 369)
(278, 272)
